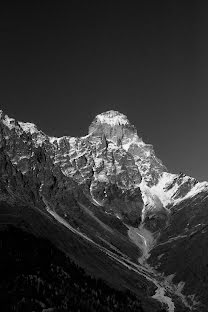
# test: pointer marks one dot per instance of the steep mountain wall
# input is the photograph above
(107, 187)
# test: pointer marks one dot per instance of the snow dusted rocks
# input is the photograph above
(107, 174)
(114, 168)
(99, 186)
(116, 128)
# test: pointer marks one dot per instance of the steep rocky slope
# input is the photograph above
(110, 191)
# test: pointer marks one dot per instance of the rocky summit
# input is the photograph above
(109, 203)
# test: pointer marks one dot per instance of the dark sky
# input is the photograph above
(60, 65)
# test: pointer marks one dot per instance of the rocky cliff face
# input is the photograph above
(105, 172)
(114, 168)
(99, 186)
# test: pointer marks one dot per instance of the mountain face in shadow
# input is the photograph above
(36, 276)
(107, 205)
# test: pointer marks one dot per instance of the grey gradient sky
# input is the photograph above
(60, 65)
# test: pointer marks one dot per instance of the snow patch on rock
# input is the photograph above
(8, 122)
(112, 118)
(28, 127)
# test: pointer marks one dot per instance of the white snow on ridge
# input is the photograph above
(166, 196)
(158, 189)
(112, 118)
(198, 188)
(28, 127)
(127, 142)
(8, 122)
(25, 126)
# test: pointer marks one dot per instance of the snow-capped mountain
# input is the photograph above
(108, 188)
(112, 155)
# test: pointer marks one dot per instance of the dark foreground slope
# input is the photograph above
(36, 276)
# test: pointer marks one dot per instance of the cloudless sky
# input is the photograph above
(62, 64)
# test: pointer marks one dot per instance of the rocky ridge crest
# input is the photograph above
(112, 165)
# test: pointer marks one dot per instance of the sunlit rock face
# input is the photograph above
(132, 160)
(111, 165)
(114, 126)
(106, 173)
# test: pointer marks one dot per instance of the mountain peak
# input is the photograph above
(112, 118)
(114, 125)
